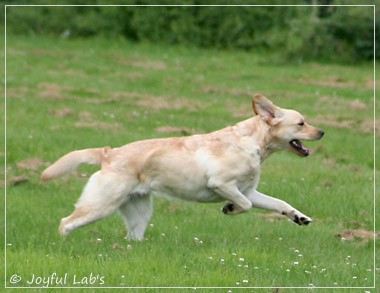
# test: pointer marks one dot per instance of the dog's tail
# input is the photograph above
(73, 160)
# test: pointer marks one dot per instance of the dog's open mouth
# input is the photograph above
(298, 148)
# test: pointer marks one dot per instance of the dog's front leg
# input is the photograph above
(262, 201)
(239, 203)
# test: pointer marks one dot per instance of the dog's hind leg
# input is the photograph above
(137, 212)
(262, 201)
(102, 195)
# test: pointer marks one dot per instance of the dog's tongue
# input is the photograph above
(310, 151)
(304, 149)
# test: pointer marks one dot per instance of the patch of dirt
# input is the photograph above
(240, 112)
(55, 91)
(116, 246)
(73, 72)
(358, 105)
(327, 183)
(355, 234)
(365, 125)
(17, 92)
(330, 162)
(150, 64)
(174, 130)
(86, 120)
(271, 217)
(31, 164)
(152, 102)
(162, 103)
(119, 96)
(49, 53)
(98, 124)
(85, 115)
(226, 91)
(51, 90)
(370, 84)
(368, 125)
(134, 76)
(143, 63)
(16, 180)
(332, 120)
(99, 101)
(349, 104)
(15, 52)
(63, 112)
(329, 81)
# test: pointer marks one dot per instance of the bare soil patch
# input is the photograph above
(174, 130)
(348, 104)
(16, 180)
(50, 90)
(98, 124)
(227, 91)
(63, 112)
(328, 81)
(153, 102)
(364, 126)
(30, 164)
(271, 217)
(140, 62)
(17, 92)
(357, 234)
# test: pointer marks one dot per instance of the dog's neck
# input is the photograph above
(261, 134)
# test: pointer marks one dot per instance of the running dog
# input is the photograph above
(219, 166)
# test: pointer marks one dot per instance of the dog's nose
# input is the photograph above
(321, 133)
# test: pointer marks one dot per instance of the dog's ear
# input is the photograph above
(266, 109)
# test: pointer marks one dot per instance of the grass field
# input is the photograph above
(72, 94)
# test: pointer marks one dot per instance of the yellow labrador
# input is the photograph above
(220, 166)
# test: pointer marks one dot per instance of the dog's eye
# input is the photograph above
(301, 123)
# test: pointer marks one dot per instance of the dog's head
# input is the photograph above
(287, 127)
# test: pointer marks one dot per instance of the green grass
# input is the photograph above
(71, 94)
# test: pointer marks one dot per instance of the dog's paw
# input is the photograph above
(302, 220)
(228, 209)
(298, 218)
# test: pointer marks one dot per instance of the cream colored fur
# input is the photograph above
(220, 166)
